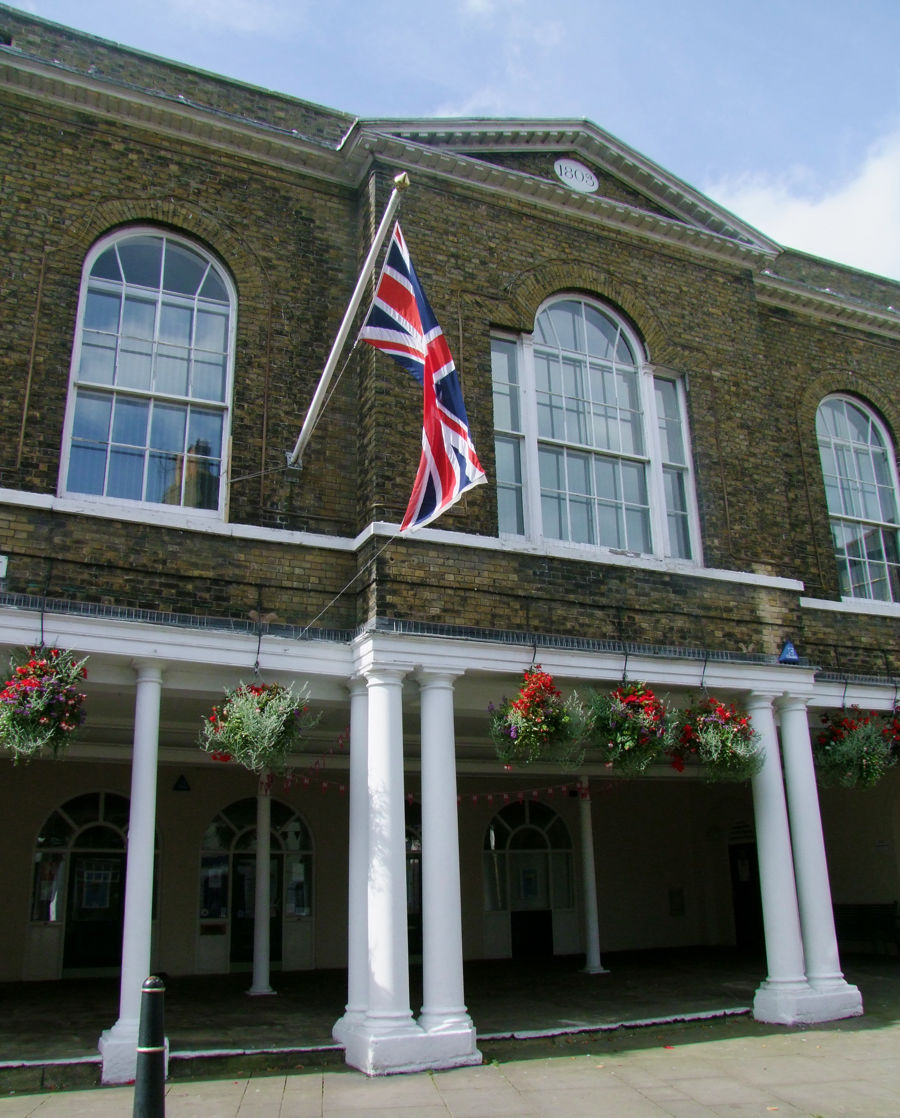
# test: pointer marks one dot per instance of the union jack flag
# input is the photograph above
(401, 323)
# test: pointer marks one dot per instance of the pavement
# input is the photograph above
(584, 1055)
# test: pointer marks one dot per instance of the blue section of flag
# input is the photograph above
(401, 324)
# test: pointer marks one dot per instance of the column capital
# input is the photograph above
(790, 702)
(759, 700)
(149, 670)
(437, 677)
(384, 674)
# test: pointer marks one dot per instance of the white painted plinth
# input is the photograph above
(352, 1019)
(408, 1050)
(118, 1047)
(806, 1005)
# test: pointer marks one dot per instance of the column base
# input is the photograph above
(351, 1019)
(118, 1047)
(794, 1004)
(407, 1049)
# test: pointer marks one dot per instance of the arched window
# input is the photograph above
(79, 879)
(527, 859)
(228, 877)
(591, 445)
(147, 417)
(861, 488)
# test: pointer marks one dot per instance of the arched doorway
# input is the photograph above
(528, 881)
(227, 890)
(78, 888)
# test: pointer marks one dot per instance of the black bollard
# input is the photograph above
(150, 1074)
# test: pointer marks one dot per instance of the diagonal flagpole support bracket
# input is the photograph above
(294, 457)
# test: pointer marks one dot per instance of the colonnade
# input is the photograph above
(378, 1029)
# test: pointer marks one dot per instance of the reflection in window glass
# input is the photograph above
(154, 335)
(859, 472)
(609, 441)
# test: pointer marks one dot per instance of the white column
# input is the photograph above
(358, 866)
(381, 1042)
(118, 1044)
(443, 1008)
(778, 998)
(262, 901)
(823, 965)
(592, 963)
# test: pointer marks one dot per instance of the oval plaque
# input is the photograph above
(576, 176)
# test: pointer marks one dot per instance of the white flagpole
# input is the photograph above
(401, 182)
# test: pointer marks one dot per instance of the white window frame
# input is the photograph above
(130, 508)
(529, 441)
(840, 518)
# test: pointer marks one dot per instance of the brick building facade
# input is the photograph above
(665, 516)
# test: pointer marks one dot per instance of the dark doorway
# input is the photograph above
(746, 897)
(243, 905)
(531, 934)
(96, 911)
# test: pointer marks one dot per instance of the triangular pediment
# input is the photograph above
(576, 159)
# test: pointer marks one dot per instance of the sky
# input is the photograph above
(786, 112)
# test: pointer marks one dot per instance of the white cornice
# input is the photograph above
(166, 115)
(830, 306)
(411, 156)
(587, 139)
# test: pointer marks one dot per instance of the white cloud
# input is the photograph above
(855, 223)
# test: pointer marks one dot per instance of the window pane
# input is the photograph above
(126, 474)
(184, 270)
(510, 516)
(213, 288)
(134, 364)
(167, 427)
(98, 359)
(92, 414)
(141, 258)
(601, 333)
(138, 318)
(209, 378)
(106, 266)
(634, 483)
(567, 322)
(164, 479)
(172, 366)
(101, 312)
(214, 887)
(130, 422)
(201, 483)
(205, 433)
(298, 884)
(47, 887)
(504, 374)
(87, 469)
(212, 329)
(175, 324)
(637, 528)
(610, 529)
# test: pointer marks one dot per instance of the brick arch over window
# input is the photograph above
(529, 290)
(849, 383)
(181, 216)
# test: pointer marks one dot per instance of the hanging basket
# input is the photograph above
(630, 728)
(41, 703)
(537, 725)
(258, 725)
(855, 748)
(721, 738)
